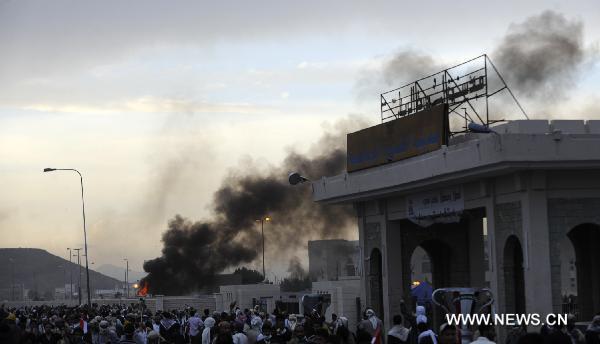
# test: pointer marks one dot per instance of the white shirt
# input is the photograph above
(482, 340)
(240, 338)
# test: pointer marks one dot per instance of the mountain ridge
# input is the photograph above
(41, 271)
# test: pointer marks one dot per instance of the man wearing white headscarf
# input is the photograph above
(255, 330)
(372, 325)
(206, 336)
(291, 322)
(426, 335)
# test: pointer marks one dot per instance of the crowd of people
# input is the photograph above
(137, 324)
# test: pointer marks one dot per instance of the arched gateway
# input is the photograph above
(490, 210)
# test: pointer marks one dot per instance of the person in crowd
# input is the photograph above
(592, 333)
(255, 330)
(195, 327)
(239, 337)
(128, 332)
(531, 338)
(334, 323)
(515, 333)
(291, 322)
(207, 334)
(577, 337)
(105, 334)
(362, 336)
(371, 324)
(140, 335)
(224, 335)
(398, 334)
(487, 334)
(343, 332)
(298, 336)
(279, 333)
(153, 337)
(447, 334)
(558, 335)
(265, 336)
(426, 335)
(63, 325)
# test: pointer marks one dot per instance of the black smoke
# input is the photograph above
(296, 270)
(542, 57)
(193, 252)
(404, 66)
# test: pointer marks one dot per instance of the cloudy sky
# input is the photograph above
(155, 102)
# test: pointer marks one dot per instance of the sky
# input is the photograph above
(155, 102)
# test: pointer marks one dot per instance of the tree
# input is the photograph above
(249, 276)
(296, 284)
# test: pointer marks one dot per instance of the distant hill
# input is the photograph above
(118, 272)
(42, 271)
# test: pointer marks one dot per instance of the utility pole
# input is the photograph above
(71, 274)
(12, 279)
(78, 283)
(126, 277)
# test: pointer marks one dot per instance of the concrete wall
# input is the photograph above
(343, 293)
(244, 294)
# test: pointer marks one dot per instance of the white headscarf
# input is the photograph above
(425, 334)
(208, 323)
(291, 322)
(421, 317)
(256, 323)
(372, 318)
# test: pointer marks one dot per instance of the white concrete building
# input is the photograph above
(534, 183)
(330, 260)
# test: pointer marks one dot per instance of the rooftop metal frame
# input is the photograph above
(458, 86)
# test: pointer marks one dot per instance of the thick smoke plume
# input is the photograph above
(296, 270)
(193, 252)
(404, 66)
(543, 56)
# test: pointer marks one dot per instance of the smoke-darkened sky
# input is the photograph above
(162, 104)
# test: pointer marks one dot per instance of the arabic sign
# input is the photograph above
(399, 139)
(441, 202)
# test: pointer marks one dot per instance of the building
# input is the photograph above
(519, 193)
(14, 292)
(330, 260)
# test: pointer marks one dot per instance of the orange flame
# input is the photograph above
(143, 291)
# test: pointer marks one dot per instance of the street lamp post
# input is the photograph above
(87, 270)
(262, 232)
(126, 277)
